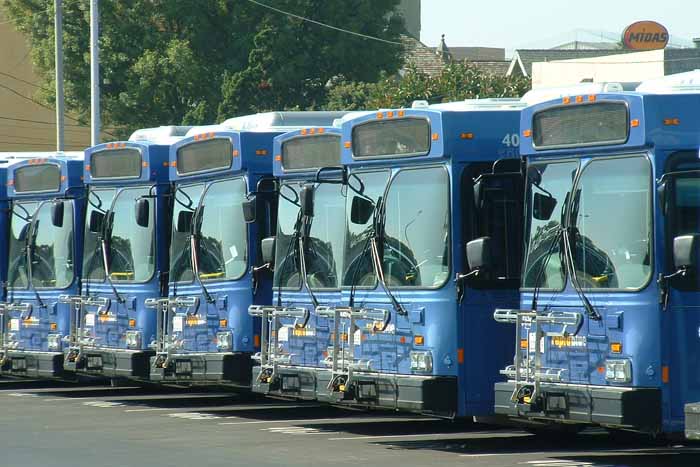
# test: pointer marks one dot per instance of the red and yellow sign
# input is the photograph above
(645, 35)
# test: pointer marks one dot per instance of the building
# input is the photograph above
(621, 67)
(522, 60)
(26, 125)
(411, 11)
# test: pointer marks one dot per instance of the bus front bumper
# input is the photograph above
(433, 395)
(615, 407)
(289, 381)
(32, 364)
(111, 363)
(216, 368)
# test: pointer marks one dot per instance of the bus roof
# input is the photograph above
(281, 121)
(678, 83)
(476, 104)
(160, 135)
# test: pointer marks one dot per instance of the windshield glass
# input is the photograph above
(323, 248)
(98, 200)
(131, 246)
(286, 259)
(186, 199)
(613, 192)
(19, 227)
(416, 243)
(547, 184)
(52, 259)
(223, 248)
(358, 257)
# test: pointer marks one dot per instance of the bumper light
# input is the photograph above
(618, 371)
(133, 339)
(422, 362)
(224, 340)
(55, 342)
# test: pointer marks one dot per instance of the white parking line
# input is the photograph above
(386, 436)
(146, 410)
(193, 416)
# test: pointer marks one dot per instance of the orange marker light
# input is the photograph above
(601, 370)
(390, 114)
(579, 99)
(380, 115)
(144, 164)
(63, 178)
(418, 340)
(165, 164)
(672, 121)
(87, 167)
(402, 339)
(523, 344)
(321, 131)
(347, 145)
(436, 136)
(616, 347)
(665, 378)
(173, 164)
(460, 356)
(256, 340)
(566, 100)
(54, 326)
(467, 135)
(527, 133)
(312, 131)
(401, 113)
(303, 131)
(634, 123)
(278, 157)
(592, 98)
(235, 153)
(223, 323)
(132, 323)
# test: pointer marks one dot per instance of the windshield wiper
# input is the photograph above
(194, 250)
(29, 251)
(380, 222)
(103, 239)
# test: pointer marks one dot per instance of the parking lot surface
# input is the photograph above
(59, 424)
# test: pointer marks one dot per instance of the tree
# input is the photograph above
(457, 81)
(193, 61)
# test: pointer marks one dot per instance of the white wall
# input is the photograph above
(638, 66)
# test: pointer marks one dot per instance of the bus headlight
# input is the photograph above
(224, 340)
(422, 362)
(54, 342)
(618, 371)
(133, 339)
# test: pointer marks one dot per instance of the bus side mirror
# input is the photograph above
(543, 206)
(97, 219)
(57, 209)
(142, 212)
(184, 221)
(249, 210)
(480, 254)
(306, 201)
(267, 250)
(361, 210)
(686, 251)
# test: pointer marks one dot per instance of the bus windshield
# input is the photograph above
(222, 251)
(416, 229)
(131, 246)
(51, 247)
(613, 191)
(323, 249)
(98, 200)
(186, 199)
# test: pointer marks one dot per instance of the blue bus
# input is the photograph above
(413, 325)
(45, 238)
(607, 328)
(223, 205)
(293, 338)
(125, 255)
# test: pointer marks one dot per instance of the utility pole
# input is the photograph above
(58, 32)
(94, 73)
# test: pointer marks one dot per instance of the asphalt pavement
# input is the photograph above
(50, 424)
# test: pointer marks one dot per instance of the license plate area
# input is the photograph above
(183, 367)
(94, 362)
(556, 403)
(291, 383)
(367, 391)
(19, 364)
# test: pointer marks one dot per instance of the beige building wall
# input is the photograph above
(25, 125)
(629, 67)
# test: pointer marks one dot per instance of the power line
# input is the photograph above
(2, 73)
(318, 23)
(31, 138)
(576, 62)
(37, 12)
(19, 125)
(20, 143)
(39, 122)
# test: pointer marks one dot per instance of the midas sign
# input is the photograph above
(645, 35)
